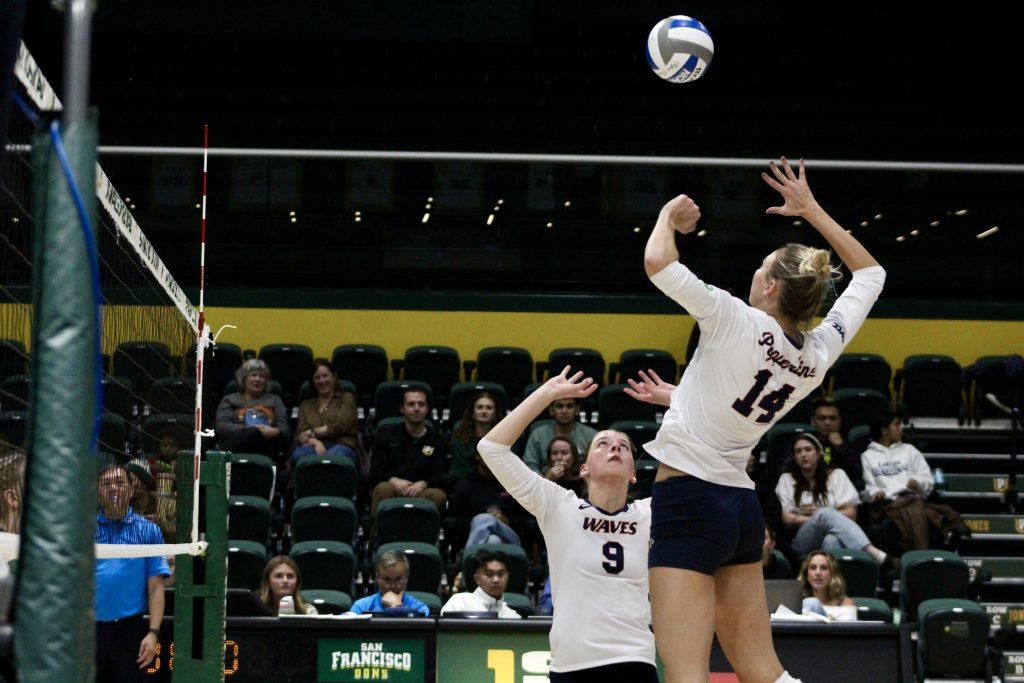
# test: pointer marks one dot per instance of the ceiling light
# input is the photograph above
(426, 217)
(293, 219)
(935, 224)
(490, 219)
(915, 232)
(551, 225)
(132, 206)
(702, 233)
(798, 223)
(427, 207)
(291, 213)
(198, 206)
(960, 212)
(568, 203)
(901, 238)
(359, 213)
(636, 229)
(358, 219)
(497, 207)
(878, 216)
(864, 224)
(500, 202)
(430, 199)
(991, 231)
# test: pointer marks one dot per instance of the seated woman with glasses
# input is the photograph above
(392, 578)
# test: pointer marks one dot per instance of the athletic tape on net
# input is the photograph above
(9, 549)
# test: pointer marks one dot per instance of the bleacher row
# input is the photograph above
(325, 531)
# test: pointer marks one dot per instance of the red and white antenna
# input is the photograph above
(202, 341)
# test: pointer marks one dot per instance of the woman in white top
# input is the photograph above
(753, 363)
(597, 546)
(820, 504)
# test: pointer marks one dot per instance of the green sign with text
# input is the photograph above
(346, 660)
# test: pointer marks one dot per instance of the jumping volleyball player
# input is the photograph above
(752, 364)
(597, 546)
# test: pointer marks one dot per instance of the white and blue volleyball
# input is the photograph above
(679, 49)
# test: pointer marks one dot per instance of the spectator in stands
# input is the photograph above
(252, 420)
(409, 458)
(897, 483)
(12, 479)
(828, 426)
(890, 466)
(146, 502)
(392, 578)
(480, 415)
(824, 586)
(282, 578)
(481, 499)
(126, 588)
(566, 412)
(563, 465)
(770, 564)
(328, 422)
(491, 578)
(820, 504)
(171, 438)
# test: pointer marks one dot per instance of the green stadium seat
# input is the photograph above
(952, 640)
(590, 361)
(930, 386)
(325, 475)
(518, 565)
(13, 358)
(249, 518)
(509, 366)
(520, 602)
(328, 601)
(119, 397)
(252, 474)
(142, 362)
(291, 365)
(425, 564)
(860, 571)
(646, 471)
(407, 519)
(246, 561)
(988, 375)
(464, 392)
(631, 362)
(860, 371)
(858, 406)
(14, 392)
(172, 395)
(115, 432)
(873, 609)
(857, 440)
(615, 405)
(365, 365)
(930, 574)
(436, 366)
(431, 600)
(325, 565)
(323, 518)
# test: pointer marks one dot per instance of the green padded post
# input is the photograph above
(56, 638)
(201, 582)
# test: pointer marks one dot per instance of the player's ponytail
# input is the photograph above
(804, 275)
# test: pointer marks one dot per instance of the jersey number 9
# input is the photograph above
(615, 557)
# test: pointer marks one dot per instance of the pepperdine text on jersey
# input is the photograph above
(775, 356)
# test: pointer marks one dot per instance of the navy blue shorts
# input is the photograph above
(703, 526)
(634, 672)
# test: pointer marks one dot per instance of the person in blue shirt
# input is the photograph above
(392, 578)
(126, 588)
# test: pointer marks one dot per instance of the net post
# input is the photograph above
(55, 636)
(201, 581)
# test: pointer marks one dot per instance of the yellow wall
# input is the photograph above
(611, 334)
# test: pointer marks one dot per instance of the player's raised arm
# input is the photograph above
(558, 387)
(799, 201)
(680, 214)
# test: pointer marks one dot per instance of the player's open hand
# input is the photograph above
(682, 214)
(651, 389)
(796, 195)
(563, 386)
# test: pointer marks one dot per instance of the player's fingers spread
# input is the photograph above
(788, 169)
(771, 182)
(654, 375)
(565, 371)
(576, 377)
(777, 172)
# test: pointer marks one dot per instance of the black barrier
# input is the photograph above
(263, 649)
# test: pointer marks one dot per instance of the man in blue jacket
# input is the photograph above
(392, 578)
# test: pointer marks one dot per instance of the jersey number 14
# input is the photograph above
(770, 403)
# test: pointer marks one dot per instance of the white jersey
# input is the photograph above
(746, 373)
(598, 566)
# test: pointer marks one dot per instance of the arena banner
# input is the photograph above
(346, 660)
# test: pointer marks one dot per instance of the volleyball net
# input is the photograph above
(150, 407)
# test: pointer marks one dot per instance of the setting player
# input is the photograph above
(753, 363)
(597, 546)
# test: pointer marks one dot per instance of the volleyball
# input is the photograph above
(679, 49)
